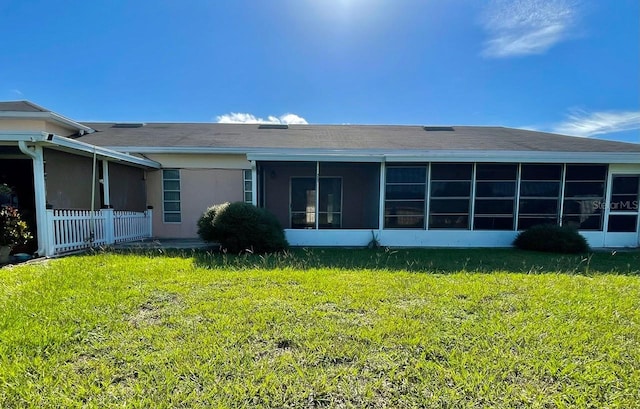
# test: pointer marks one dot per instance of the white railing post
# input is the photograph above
(149, 216)
(109, 226)
(50, 241)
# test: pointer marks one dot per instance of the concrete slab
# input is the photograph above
(166, 244)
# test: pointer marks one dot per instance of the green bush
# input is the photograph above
(242, 227)
(205, 223)
(551, 238)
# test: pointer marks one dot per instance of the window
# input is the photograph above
(303, 203)
(583, 195)
(171, 196)
(247, 185)
(495, 196)
(404, 203)
(539, 194)
(450, 195)
(624, 204)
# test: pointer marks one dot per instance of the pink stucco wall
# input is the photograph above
(199, 189)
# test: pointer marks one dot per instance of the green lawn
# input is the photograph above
(323, 328)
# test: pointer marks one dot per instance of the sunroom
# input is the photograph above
(440, 203)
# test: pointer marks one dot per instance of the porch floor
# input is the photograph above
(164, 244)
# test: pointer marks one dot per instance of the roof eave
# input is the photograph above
(50, 139)
(377, 155)
(46, 116)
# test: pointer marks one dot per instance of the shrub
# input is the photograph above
(13, 230)
(551, 238)
(205, 223)
(242, 227)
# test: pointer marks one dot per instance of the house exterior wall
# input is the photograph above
(68, 180)
(127, 188)
(200, 161)
(7, 124)
(35, 125)
(199, 189)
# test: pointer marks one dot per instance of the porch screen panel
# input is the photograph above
(303, 203)
(583, 195)
(405, 190)
(171, 206)
(539, 194)
(450, 195)
(624, 204)
(495, 196)
(330, 203)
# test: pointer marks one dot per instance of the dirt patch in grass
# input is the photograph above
(159, 306)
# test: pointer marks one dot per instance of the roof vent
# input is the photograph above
(273, 126)
(128, 125)
(438, 128)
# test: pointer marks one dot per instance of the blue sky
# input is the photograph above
(557, 65)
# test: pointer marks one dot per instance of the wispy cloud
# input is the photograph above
(583, 123)
(244, 118)
(525, 27)
(17, 92)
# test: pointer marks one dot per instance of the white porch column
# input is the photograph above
(383, 181)
(44, 247)
(105, 183)
(254, 183)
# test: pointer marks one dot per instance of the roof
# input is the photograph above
(342, 137)
(21, 106)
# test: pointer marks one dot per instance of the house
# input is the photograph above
(331, 185)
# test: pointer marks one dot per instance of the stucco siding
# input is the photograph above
(199, 189)
(201, 161)
(22, 125)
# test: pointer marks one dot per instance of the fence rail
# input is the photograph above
(71, 230)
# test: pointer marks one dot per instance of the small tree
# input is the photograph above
(242, 227)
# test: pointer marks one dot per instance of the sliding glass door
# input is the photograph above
(309, 212)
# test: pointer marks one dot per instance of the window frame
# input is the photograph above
(166, 212)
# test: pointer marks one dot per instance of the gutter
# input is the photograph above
(378, 155)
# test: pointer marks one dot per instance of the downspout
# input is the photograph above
(40, 194)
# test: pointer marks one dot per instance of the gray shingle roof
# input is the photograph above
(21, 106)
(345, 137)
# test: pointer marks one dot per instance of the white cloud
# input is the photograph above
(525, 27)
(17, 92)
(582, 123)
(245, 118)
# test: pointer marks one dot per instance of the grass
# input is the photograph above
(322, 328)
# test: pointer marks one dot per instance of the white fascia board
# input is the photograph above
(25, 136)
(46, 116)
(264, 154)
(343, 157)
(377, 155)
(516, 156)
(104, 152)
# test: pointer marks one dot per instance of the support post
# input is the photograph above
(105, 183)
(109, 226)
(149, 213)
(40, 196)
(50, 232)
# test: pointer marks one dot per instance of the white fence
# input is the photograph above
(71, 230)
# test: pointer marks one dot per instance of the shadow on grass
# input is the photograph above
(432, 260)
